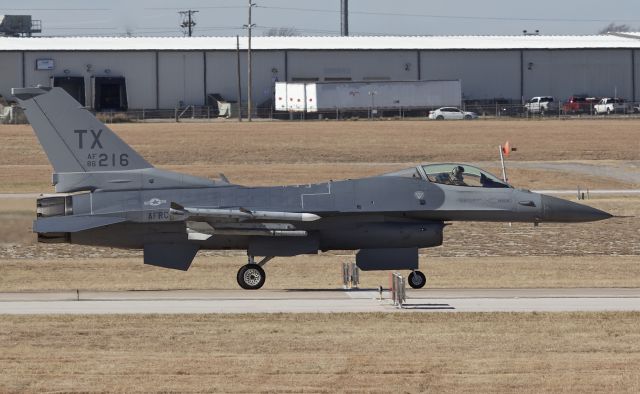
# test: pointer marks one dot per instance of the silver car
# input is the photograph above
(446, 113)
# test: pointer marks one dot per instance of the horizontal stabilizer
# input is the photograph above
(177, 256)
(72, 224)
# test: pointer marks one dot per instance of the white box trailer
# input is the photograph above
(290, 97)
(382, 95)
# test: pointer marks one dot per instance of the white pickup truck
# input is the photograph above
(541, 105)
(611, 106)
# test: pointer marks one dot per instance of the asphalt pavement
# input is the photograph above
(319, 301)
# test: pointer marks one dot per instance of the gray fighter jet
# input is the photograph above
(108, 195)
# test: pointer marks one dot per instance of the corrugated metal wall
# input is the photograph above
(165, 79)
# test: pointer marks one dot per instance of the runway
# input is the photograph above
(319, 301)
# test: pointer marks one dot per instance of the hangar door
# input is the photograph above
(72, 85)
(110, 94)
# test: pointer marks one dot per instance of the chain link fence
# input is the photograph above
(485, 110)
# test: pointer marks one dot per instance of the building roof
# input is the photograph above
(629, 40)
(635, 35)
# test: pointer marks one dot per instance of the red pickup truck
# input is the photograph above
(579, 105)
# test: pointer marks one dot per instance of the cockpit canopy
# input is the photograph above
(453, 174)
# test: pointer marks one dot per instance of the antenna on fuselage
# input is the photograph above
(504, 151)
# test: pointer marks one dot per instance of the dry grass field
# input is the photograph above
(444, 353)
(267, 153)
(214, 271)
(221, 143)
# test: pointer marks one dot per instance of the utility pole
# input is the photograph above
(344, 18)
(238, 76)
(249, 26)
(188, 23)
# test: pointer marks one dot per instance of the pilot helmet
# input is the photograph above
(457, 170)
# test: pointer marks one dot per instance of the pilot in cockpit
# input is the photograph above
(456, 178)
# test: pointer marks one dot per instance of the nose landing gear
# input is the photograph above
(251, 276)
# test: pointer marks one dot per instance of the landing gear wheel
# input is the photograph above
(417, 280)
(251, 277)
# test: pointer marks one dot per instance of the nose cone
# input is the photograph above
(559, 210)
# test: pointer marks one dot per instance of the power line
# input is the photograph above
(199, 28)
(146, 31)
(82, 28)
(437, 16)
(199, 7)
(301, 30)
(55, 9)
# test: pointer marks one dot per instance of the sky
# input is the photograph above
(313, 17)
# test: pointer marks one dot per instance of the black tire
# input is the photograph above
(439, 117)
(608, 111)
(417, 280)
(251, 277)
(467, 117)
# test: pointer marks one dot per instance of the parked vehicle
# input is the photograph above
(541, 105)
(447, 113)
(610, 105)
(579, 104)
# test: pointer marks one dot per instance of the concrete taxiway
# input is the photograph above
(319, 301)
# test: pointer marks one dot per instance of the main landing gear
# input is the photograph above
(252, 276)
(417, 280)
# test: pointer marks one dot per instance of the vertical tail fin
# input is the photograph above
(73, 139)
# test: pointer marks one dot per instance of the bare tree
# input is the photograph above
(281, 32)
(612, 27)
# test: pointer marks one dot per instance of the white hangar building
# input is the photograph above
(165, 72)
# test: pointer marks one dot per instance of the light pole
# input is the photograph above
(239, 81)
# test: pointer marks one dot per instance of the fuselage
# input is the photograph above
(382, 211)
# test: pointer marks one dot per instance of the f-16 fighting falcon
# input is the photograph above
(106, 194)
